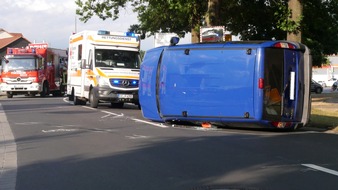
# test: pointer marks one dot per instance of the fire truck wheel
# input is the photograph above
(45, 90)
(9, 95)
(93, 100)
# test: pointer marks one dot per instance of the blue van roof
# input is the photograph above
(232, 44)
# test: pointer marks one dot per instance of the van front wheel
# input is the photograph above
(94, 101)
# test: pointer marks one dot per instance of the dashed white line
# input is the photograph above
(59, 130)
(319, 168)
(138, 137)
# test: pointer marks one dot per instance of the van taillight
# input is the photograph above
(279, 124)
(260, 83)
(284, 45)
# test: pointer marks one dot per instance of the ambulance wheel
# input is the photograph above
(9, 95)
(93, 100)
(71, 97)
(77, 101)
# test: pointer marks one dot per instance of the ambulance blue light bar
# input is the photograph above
(103, 32)
(131, 34)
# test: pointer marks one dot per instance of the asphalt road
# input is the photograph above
(61, 146)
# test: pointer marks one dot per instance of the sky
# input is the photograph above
(53, 21)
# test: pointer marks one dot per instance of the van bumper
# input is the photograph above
(114, 95)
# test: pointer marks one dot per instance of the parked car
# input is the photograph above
(331, 81)
(334, 86)
(316, 87)
(322, 83)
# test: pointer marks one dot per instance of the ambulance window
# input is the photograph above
(79, 53)
(90, 59)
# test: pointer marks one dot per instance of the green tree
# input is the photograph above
(315, 23)
(320, 28)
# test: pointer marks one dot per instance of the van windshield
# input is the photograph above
(117, 59)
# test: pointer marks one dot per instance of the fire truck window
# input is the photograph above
(40, 65)
(80, 52)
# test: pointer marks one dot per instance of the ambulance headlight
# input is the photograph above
(103, 82)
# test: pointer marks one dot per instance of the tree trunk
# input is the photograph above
(296, 12)
(212, 16)
(195, 37)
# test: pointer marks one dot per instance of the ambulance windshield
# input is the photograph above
(117, 59)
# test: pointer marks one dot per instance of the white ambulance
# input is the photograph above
(103, 66)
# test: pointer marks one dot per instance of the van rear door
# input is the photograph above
(209, 82)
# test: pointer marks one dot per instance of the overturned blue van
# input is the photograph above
(243, 83)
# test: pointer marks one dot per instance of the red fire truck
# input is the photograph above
(36, 69)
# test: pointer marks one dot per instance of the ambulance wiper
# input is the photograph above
(106, 68)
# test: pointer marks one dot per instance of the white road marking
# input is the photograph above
(319, 168)
(89, 108)
(59, 130)
(138, 137)
(122, 115)
(28, 123)
(111, 113)
(150, 123)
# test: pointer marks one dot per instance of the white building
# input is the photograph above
(326, 72)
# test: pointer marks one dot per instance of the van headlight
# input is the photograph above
(103, 82)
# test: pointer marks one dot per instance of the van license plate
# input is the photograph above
(125, 96)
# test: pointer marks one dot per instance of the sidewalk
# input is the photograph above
(8, 154)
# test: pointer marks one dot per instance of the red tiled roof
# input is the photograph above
(6, 41)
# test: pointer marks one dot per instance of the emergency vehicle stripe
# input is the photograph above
(113, 43)
(76, 39)
(115, 76)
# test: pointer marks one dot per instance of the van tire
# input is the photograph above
(93, 100)
(77, 101)
(9, 95)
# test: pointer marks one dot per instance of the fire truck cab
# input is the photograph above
(33, 70)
